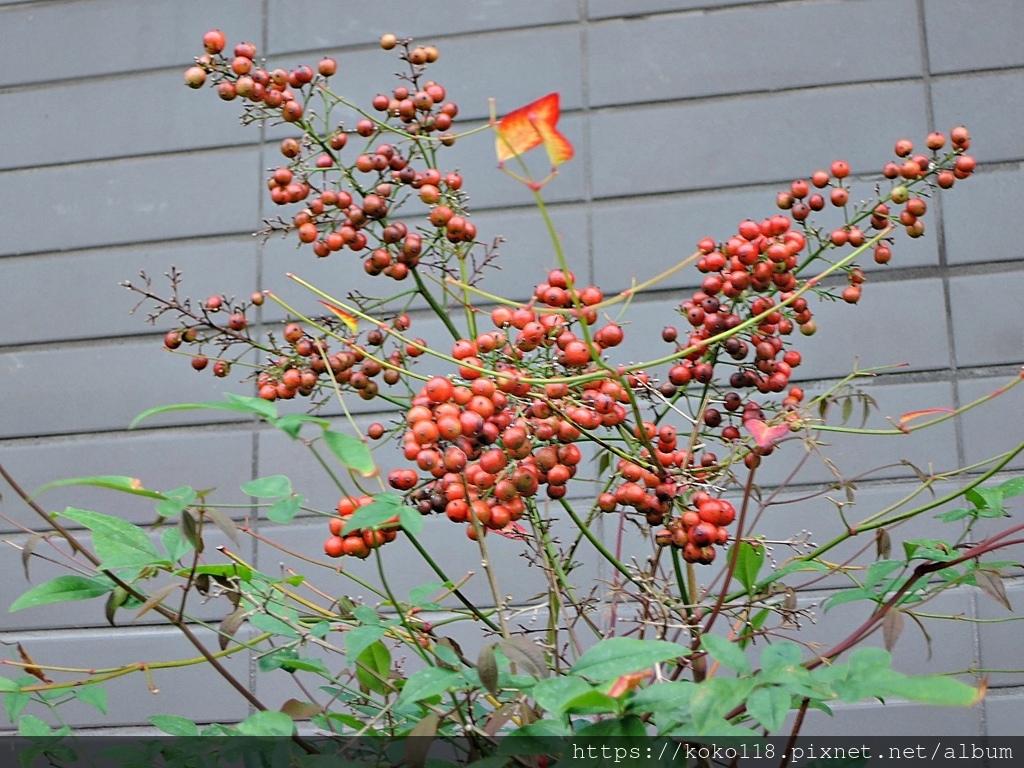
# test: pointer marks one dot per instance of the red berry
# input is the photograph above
(327, 66)
(214, 41)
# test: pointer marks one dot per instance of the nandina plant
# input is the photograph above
(527, 427)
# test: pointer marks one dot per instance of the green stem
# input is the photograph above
(438, 309)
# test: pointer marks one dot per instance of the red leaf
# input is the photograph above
(628, 682)
(513, 530)
(763, 435)
(346, 318)
(527, 127)
(918, 414)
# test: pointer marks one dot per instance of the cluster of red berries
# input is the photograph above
(760, 259)
(696, 531)
(507, 428)
(482, 459)
(361, 541)
(801, 200)
(278, 90)
(311, 363)
(336, 217)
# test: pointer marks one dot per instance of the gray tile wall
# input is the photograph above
(108, 166)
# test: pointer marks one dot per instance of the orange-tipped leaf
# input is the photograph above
(531, 126)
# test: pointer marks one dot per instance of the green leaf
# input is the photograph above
(366, 615)
(410, 520)
(176, 501)
(614, 728)
(428, 682)
(93, 695)
(291, 423)
(769, 706)
(985, 498)
(358, 639)
(373, 666)
(15, 701)
(306, 665)
(351, 452)
(728, 653)
(780, 655)
(267, 723)
(592, 702)
(272, 624)
(867, 659)
(932, 689)
(953, 515)
(749, 559)
(174, 725)
(666, 697)
(30, 725)
(1011, 488)
(847, 596)
(130, 485)
(223, 570)
(420, 596)
(7, 684)
(236, 403)
(534, 738)
(714, 698)
(384, 507)
(117, 542)
(879, 570)
(795, 566)
(63, 589)
(270, 487)
(284, 510)
(554, 693)
(616, 656)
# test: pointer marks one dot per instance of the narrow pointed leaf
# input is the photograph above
(748, 563)
(155, 599)
(428, 682)
(26, 552)
(892, 628)
(224, 523)
(130, 485)
(527, 654)
(301, 710)
(992, 585)
(617, 656)
(190, 530)
(229, 626)
(63, 589)
(348, 319)
(117, 598)
(421, 737)
(236, 404)
(487, 668)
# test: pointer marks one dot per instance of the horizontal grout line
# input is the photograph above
(584, 110)
(581, 204)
